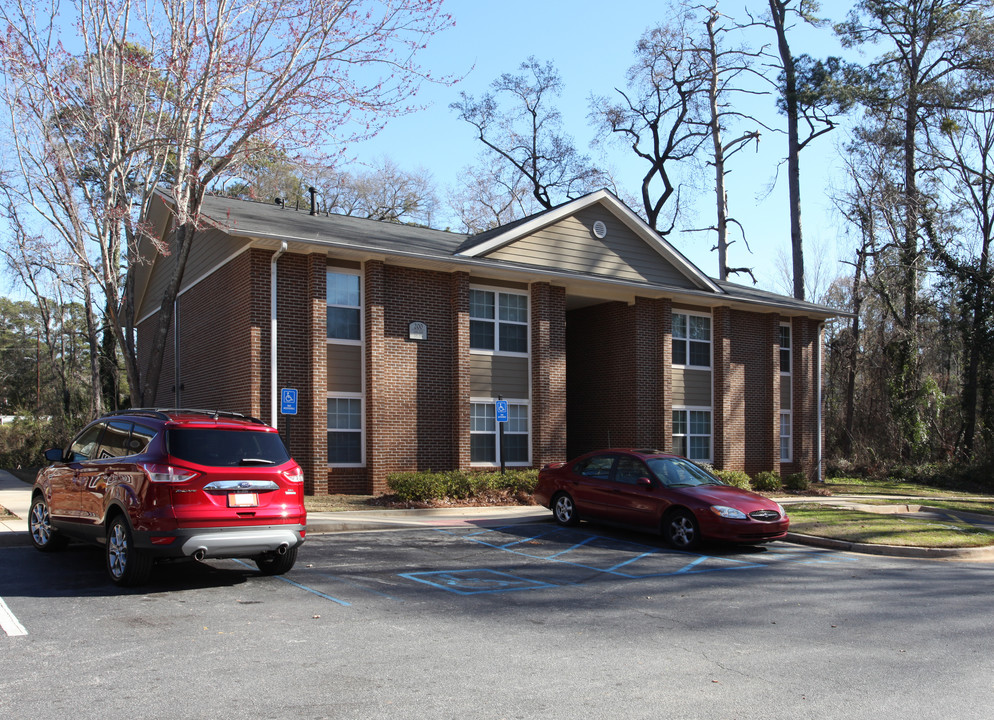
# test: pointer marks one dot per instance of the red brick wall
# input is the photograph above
(600, 377)
(222, 319)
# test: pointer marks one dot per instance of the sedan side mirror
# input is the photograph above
(54, 455)
(644, 482)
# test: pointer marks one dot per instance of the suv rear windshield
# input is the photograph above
(226, 448)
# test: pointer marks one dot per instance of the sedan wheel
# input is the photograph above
(564, 510)
(125, 565)
(681, 531)
(44, 537)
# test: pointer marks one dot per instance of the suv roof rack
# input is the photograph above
(165, 413)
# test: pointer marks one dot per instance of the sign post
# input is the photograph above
(500, 408)
(288, 407)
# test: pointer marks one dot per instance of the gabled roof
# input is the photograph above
(486, 243)
(502, 252)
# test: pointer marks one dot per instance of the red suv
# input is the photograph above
(150, 484)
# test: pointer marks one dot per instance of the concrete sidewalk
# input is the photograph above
(16, 497)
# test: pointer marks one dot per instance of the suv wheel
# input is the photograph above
(126, 566)
(43, 536)
(274, 564)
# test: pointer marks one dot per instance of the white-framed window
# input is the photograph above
(692, 433)
(345, 431)
(785, 349)
(498, 321)
(785, 444)
(484, 433)
(691, 340)
(786, 414)
(344, 299)
(346, 416)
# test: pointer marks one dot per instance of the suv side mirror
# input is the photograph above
(54, 455)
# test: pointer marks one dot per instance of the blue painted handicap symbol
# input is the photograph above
(288, 401)
(475, 582)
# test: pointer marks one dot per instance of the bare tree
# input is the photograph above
(178, 91)
(518, 122)
(491, 194)
(658, 114)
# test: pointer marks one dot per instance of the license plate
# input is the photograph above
(243, 499)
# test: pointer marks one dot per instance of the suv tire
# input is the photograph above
(274, 564)
(126, 565)
(43, 536)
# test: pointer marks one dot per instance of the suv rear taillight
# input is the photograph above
(167, 473)
(295, 476)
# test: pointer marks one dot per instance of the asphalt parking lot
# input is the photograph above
(526, 620)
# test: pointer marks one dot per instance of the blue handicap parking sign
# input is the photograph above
(501, 407)
(288, 401)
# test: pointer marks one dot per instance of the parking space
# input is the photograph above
(354, 570)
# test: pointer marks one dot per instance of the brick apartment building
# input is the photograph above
(399, 340)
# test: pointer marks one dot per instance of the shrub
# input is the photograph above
(797, 482)
(766, 481)
(24, 441)
(736, 478)
(459, 485)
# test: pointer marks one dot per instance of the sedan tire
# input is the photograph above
(126, 565)
(681, 530)
(564, 510)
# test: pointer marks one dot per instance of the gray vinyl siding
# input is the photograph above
(344, 368)
(210, 249)
(493, 375)
(570, 245)
(785, 393)
(691, 388)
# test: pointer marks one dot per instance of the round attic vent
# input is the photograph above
(600, 229)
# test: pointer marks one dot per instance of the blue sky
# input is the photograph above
(591, 44)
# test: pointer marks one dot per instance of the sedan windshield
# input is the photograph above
(677, 472)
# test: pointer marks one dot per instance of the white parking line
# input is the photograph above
(8, 622)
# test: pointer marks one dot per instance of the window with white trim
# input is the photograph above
(692, 434)
(498, 321)
(345, 431)
(786, 415)
(691, 340)
(344, 299)
(484, 435)
(346, 426)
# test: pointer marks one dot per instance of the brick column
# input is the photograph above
(459, 295)
(805, 338)
(313, 407)
(377, 390)
(548, 359)
(666, 374)
(728, 429)
(650, 372)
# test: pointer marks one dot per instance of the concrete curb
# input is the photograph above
(977, 553)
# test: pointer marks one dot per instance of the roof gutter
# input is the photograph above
(274, 391)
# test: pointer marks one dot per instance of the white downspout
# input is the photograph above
(274, 386)
(821, 374)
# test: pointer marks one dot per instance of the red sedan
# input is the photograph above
(665, 493)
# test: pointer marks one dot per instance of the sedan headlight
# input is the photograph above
(783, 513)
(728, 512)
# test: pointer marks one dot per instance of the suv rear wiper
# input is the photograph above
(256, 461)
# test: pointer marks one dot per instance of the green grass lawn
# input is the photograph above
(862, 527)
(861, 486)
